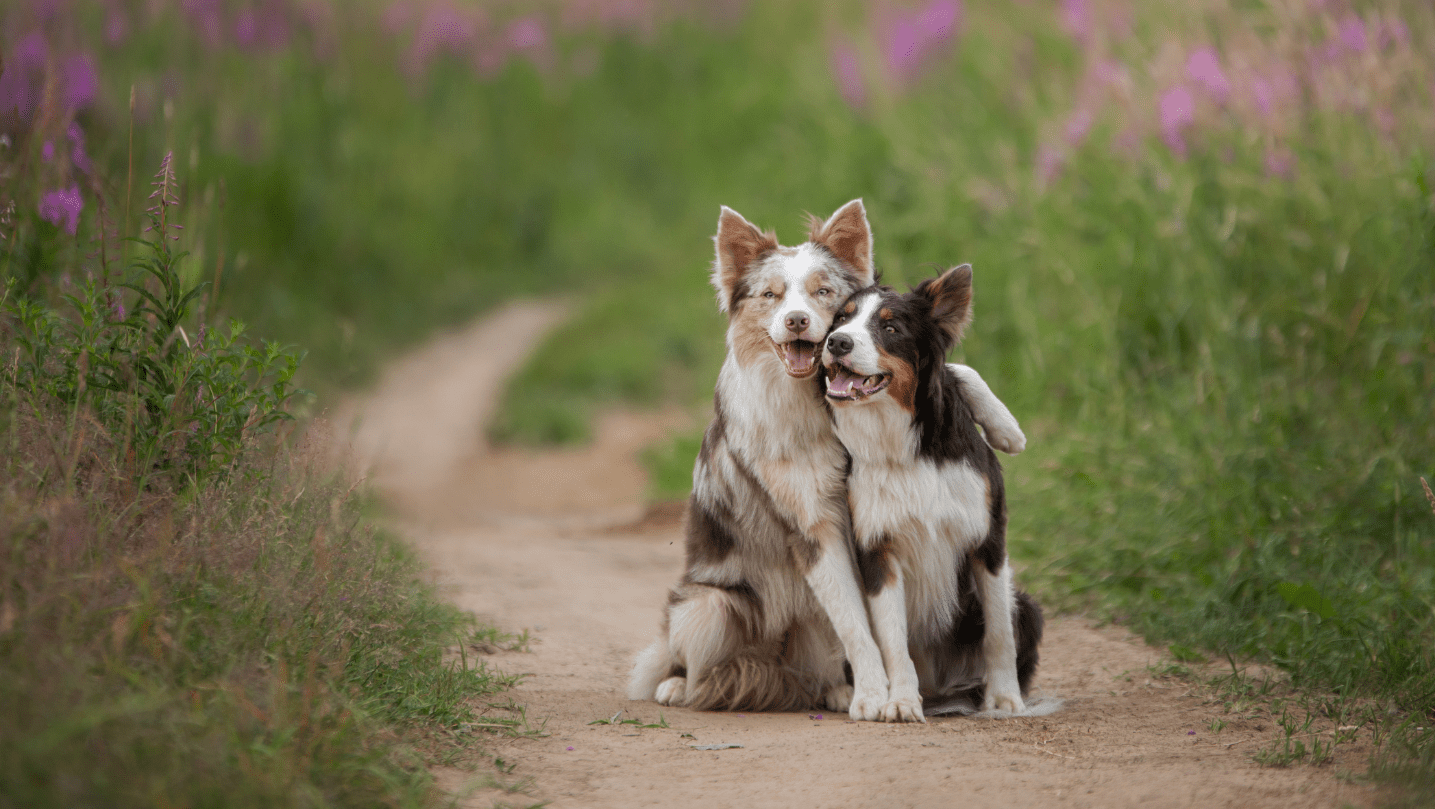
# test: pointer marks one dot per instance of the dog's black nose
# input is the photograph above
(796, 322)
(839, 344)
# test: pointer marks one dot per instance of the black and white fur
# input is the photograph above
(769, 604)
(928, 504)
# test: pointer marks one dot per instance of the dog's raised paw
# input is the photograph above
(867, 706)
(903, 710)
(838, 697)
(672, 691)
(1006, 436)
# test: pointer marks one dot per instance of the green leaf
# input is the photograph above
(1306, 597)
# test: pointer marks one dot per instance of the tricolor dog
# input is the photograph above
(769, 604)
(928, 505)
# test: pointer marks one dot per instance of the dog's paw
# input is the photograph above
(905, 709)
(838, 697)
(673, 691)
(1005, 435)
(1004, 700)
(867, 705)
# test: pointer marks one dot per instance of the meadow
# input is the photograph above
(1203, 238)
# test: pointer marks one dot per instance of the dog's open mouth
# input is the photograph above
(799, 356)
(845, 385)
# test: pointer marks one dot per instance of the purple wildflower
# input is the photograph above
(246, 28)
(570, 747)
(1352, 34)
(1204, 68)
(81, 85)
(204, 16)
(24, 75)
(842, 60)
(527, 34)
(1177, 111)
(78, 158)
(117, 28)
(442, 28)
(910, 37)
(63, 204)
(1279, 162)
(47, 152)
(1076, 19)
(1078, 125)
(1190, 733)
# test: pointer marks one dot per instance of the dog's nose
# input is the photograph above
(839, 344)
(796, 322)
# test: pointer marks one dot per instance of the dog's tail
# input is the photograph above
(1027, 623)
(753, 682)
(653, 665)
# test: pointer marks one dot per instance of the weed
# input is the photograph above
(614, 720)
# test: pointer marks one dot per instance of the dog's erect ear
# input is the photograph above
(951, 297)
(847, 234)
(739, 244)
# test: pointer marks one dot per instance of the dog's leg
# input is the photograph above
(889, 624)
(1001, 427)
(700, 634)
(833, 579)
(1003, 692)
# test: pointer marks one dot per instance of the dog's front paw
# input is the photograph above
(867, 705)
(673, 691)
(1006, 435)
(838, 697)
(1004, 700)
(903, 709)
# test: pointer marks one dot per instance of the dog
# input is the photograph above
(928, 504)
(769, 604)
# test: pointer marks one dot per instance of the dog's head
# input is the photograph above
(780, 300)
(886, 344)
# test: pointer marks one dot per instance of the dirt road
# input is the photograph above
(555, 542)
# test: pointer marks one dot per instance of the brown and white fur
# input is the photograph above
(769, 604)
(928, 504)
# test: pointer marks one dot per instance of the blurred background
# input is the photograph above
(1203, 236)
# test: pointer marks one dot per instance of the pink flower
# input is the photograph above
(81, 85)
(1352, 34)
(24, 74)
(117, 28)
(1078, 125)
(47, 152)
(1279, 162)
(63, 204)
(78, 158)
(527, 33)
(842, 60)
(1076, 19)
(911, 37)
(1177, 112)
(1204, 68)
(246, 28)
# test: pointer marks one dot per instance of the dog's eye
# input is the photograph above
(824, 291)
(769, 294)
(891, 329)
(840, 317)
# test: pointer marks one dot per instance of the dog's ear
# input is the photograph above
(847, 234)
(951, 297)
(739, 245)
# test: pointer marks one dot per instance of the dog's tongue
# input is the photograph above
(842, 383)
(800, 356)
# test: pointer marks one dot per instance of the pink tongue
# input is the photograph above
(842, 383)
(799, 356)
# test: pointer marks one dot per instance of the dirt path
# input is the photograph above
(553, 542)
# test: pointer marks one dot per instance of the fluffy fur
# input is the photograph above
(928, 504)
(769, 604)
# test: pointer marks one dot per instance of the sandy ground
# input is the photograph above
(560, 543)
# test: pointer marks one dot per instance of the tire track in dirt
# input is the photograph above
(554, 541)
